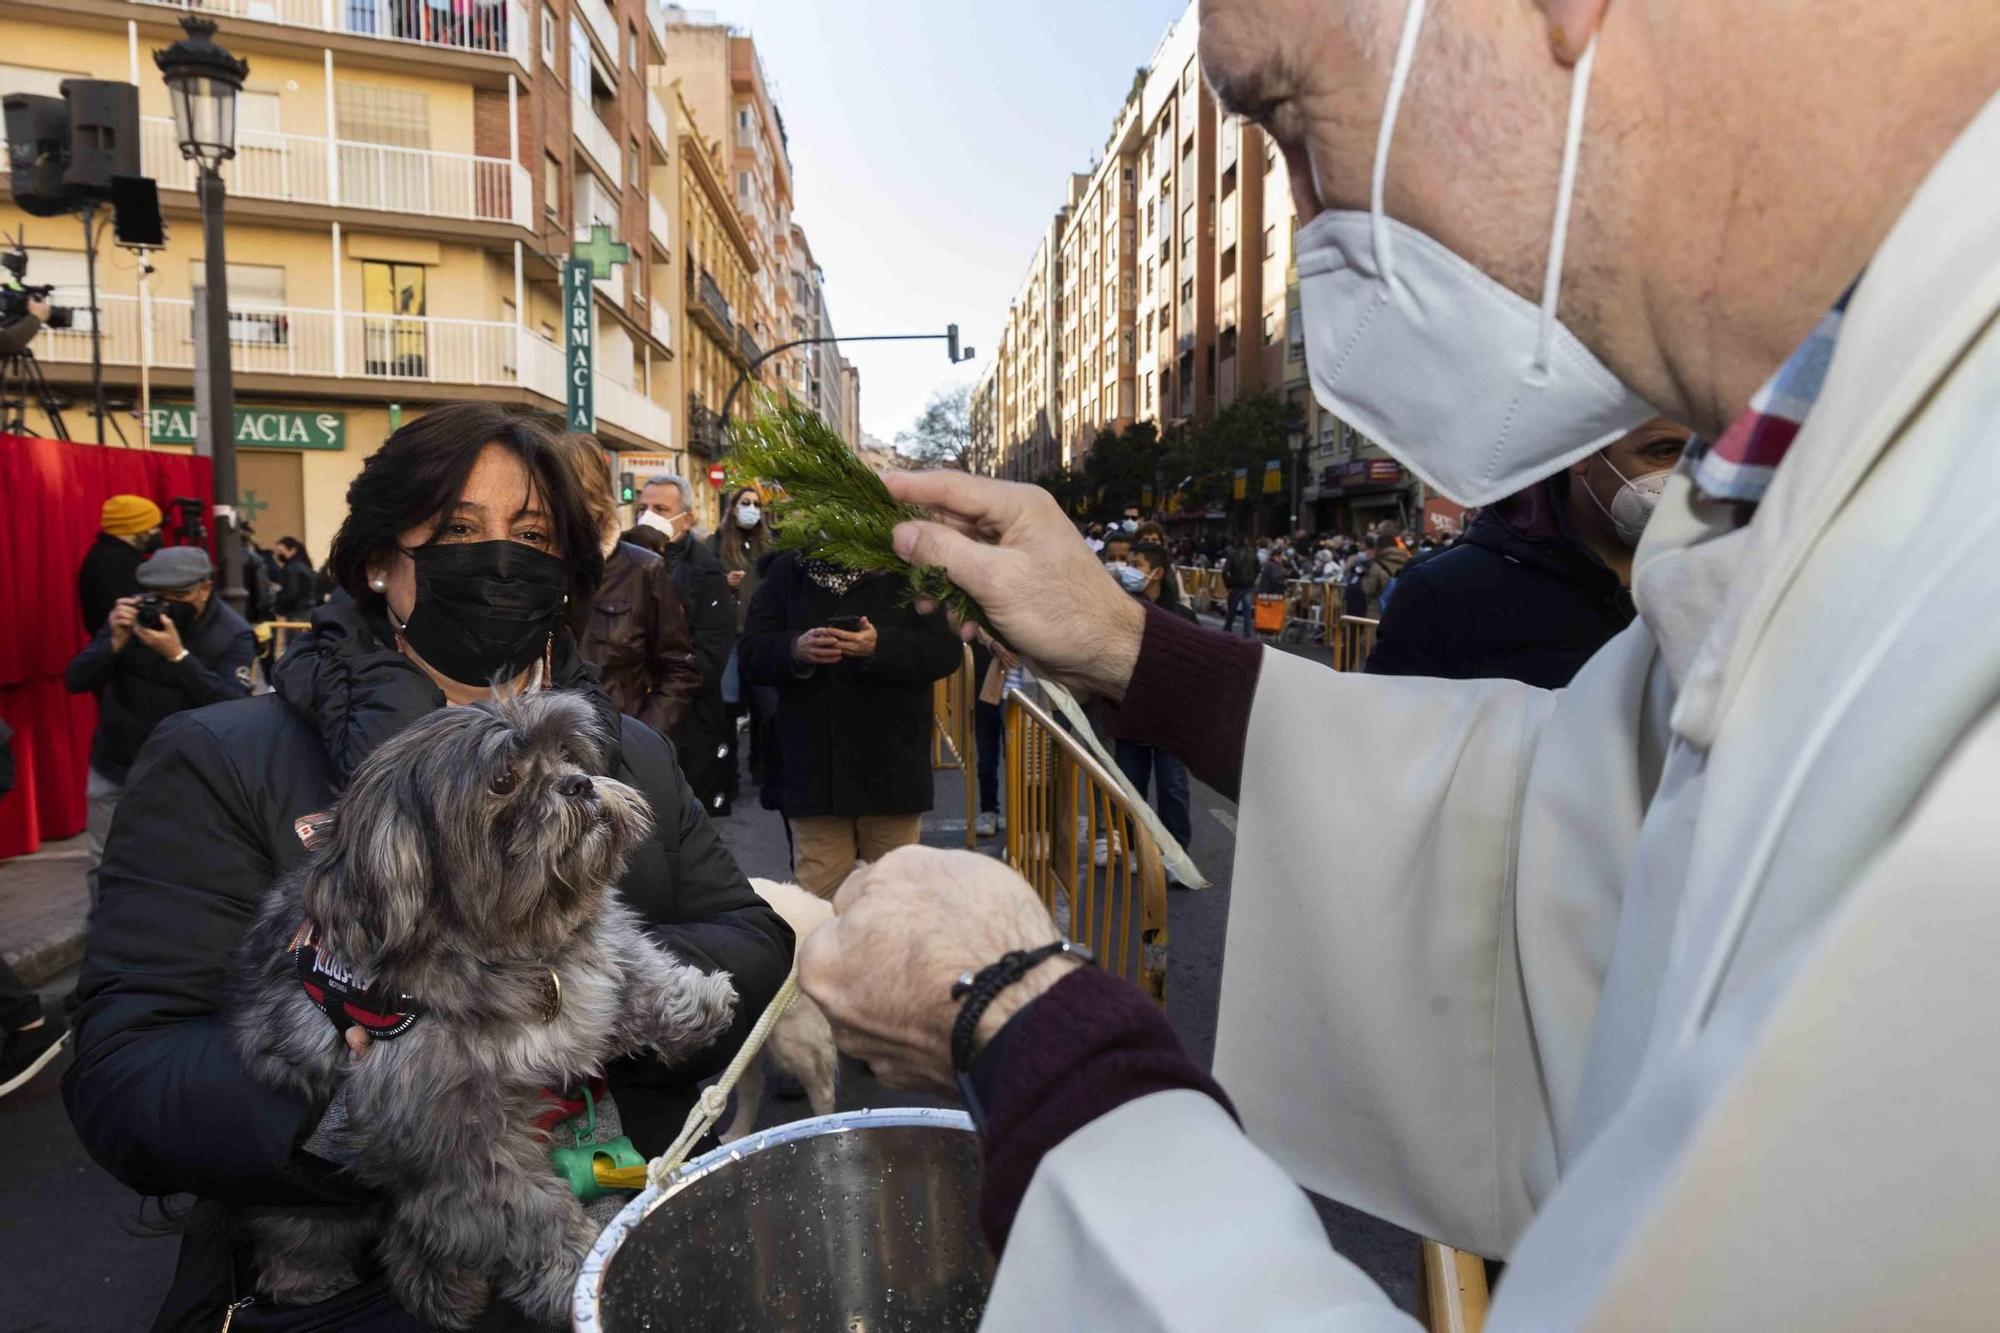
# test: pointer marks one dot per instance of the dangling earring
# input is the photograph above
(549, 660)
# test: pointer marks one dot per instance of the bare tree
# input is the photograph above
(942, 434)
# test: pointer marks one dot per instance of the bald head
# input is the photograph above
(1715, 213)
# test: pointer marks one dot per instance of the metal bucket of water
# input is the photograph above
(864, 1221)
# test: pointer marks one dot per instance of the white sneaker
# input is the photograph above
(987, 824)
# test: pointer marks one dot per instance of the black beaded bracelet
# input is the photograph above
(976, 991)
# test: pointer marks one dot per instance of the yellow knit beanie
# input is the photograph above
(125, 515)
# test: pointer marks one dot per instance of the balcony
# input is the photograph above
(302, 169)
(660, 323)
(484, 29)
(290, 340)
(709, 306)
(704, 429)
(656, 19)
(656, 121)
(746, 346)
(658, 226)
(602, 25)
(635, 412)
(597, 141)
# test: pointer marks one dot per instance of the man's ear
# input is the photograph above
(1572, 24)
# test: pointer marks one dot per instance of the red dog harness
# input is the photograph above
(347, 998)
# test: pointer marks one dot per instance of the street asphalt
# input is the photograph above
(75, 1254)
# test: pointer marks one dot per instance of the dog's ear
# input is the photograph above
(371, 891)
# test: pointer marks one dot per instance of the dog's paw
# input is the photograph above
(549, 1296)
(440, 1295)
(694, 1012)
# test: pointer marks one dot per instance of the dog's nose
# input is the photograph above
(577, 784)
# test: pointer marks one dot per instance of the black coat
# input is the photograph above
(705, 738)
(1501, 605)
(203, 830)
(137, 689)
(110, 570)
(854, 738)
(295, 597)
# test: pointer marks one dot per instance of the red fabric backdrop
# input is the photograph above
(50, 497)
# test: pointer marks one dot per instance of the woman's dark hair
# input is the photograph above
(737, 549)
(419, 474)
(297, 548)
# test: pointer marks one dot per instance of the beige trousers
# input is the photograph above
(825, 847)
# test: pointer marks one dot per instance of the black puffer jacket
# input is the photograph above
(854, 736)
(137, 688)
(1517, 599)
(704, 737)
(206, 826)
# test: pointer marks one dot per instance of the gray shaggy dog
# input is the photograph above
(472, 859)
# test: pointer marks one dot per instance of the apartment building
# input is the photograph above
(720, 285)
(981, 406)
(1173, 293)
(408, 177)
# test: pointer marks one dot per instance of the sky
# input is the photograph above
(930, 141)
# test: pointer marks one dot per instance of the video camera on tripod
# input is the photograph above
(16, 293)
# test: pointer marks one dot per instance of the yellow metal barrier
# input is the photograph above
(1201, 588)
(1452, 1295)
(1353, 639)
(278, 633)
(953, 743)
(1072, 835)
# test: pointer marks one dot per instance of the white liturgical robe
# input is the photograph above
(1678, 987)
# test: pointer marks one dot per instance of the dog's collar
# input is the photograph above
(344, 996)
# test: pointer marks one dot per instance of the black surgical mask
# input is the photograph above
(484, 609)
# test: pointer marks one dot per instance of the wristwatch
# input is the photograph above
(182, 657)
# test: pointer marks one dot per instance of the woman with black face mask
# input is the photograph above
(467, 552)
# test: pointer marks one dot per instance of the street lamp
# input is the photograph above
(203, 80)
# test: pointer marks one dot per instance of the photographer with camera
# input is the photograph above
(174, 647)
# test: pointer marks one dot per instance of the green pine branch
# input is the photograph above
(825, 503)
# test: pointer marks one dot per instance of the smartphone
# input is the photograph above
(847, 624)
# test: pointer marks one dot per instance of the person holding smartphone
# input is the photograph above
(853, 663)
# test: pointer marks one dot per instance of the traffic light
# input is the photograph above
(627, 492)
(951, 337)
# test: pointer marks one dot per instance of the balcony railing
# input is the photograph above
(704, 428)
(485, 28)
(656, 119)
(597, 140)
(598, 15)
(635, 412)
(709, 295)
(290, 340)
(747, 345)
(304, 169)
(658, 226)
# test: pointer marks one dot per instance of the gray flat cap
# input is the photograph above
(176, 567)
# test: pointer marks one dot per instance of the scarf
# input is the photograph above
(1739, 466)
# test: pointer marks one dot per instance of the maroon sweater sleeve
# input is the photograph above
(1083, 1049)
(1190, 695)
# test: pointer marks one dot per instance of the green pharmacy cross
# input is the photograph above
(589, 261)
(601, 251)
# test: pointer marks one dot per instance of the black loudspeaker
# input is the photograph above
(135, 212)
(37, 147)
(103, 135)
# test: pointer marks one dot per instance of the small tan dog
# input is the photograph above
(802, 1043)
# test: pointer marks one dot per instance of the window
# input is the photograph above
(632, 45)
(1270, 242)
(549, 38)
(579, 60)
(551, 185)
(256, 302)
(1270, 328)
(394, 339)
(395, 117)
(1295, 335)
(1187, 231)
(633, 172)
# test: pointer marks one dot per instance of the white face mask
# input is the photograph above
(1131, 577)
(1634, 503)
(747, 515)
(670, 526)
(1474, 389)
